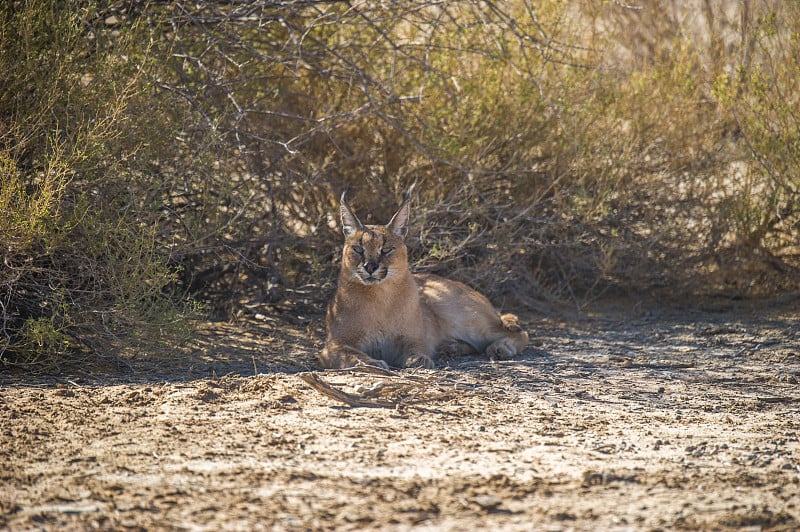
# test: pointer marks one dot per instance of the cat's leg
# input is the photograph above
(339, 356)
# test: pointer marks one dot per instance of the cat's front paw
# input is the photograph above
(417, 360)
(379, 363)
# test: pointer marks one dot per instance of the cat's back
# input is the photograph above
(456, 311)
(439, 291)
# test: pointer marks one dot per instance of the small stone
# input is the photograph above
(487, 502)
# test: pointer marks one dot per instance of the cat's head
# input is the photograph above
(375, 253)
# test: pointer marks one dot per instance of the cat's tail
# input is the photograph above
(510, 322)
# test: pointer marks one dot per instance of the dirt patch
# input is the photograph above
(626, 418)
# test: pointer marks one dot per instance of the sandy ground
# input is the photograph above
(629, 418)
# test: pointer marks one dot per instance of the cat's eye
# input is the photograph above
(386, 251)
(358, 250)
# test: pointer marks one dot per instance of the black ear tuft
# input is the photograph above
(350, 223)
(407, 195)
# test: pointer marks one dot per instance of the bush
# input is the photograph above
(85, 269)
(158, 152)
(707, 98)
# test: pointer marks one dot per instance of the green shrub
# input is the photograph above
(83, 270)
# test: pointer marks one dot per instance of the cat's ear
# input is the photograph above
(350, 224)
(399, 222)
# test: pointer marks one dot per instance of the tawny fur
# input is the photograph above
(383, 315)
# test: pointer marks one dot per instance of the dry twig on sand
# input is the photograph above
(346, 398)
(394, 390)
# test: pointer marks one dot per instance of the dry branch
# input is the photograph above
(349, 399)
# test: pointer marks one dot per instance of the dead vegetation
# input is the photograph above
(193, 152)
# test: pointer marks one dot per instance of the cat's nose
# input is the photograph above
(370, 266)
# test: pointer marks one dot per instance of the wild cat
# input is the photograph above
(383, 315)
